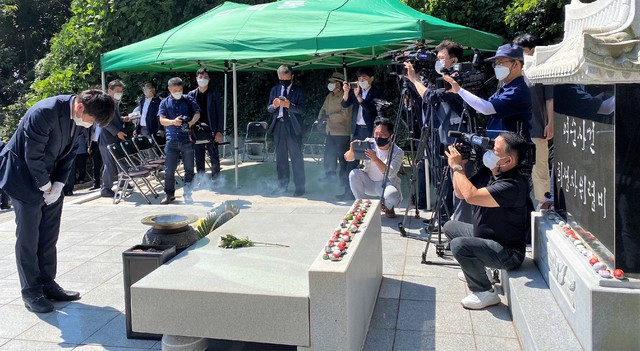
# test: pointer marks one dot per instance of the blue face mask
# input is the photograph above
(490, 159)
(381, 142)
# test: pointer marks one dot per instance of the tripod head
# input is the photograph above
(381, 105)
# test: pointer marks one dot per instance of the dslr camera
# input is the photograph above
(185, 123)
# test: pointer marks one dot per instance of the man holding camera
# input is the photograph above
(499, 194)
(361, 97)
(442, 110)
(509, 109)
(338, 130)
(369, 180)
(178, 113)
(286, 103)
(210, 103)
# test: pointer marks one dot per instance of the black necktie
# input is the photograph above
(285, 111)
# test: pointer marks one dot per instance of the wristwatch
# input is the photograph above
(458, 168)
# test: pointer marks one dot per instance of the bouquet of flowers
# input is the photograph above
(230, 241)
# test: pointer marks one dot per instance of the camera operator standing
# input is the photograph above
(509, 109)
(442, 110)
(499, 193)
(178, 113)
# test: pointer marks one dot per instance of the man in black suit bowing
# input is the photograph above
(286, 103)
(148, 106)
(33, 169)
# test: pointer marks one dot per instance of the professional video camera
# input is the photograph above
(475, 144)
(422, 59)
(472, 144)
(464, 73)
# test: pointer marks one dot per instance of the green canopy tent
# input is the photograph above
(307, 34)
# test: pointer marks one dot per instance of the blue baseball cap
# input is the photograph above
(511, 51)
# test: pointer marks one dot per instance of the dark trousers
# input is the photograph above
(199, 151)
(37, 229)
(96, 163)
(334, 149)
(288, 145)
(110, 172)
(71, 179)
(474, 254)
(174, 150)
(4, 198)
(81, 167)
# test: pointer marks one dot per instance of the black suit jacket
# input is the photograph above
(215, 113)
(40, 149)
(369, 112)
(296, 97)
(109, 134)
(151, 115)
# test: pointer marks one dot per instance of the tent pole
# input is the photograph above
(104, 83)
(224, 128)
(235, 121)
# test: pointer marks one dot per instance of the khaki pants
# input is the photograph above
(540, 172)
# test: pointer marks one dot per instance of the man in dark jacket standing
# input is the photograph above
(110, 134)
(148, 106)
(33, 168)
(286, 103)
(211, 119)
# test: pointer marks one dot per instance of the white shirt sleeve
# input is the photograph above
(479, 104)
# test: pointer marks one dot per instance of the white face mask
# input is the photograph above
(203, 82)
(177, 96)
(490, 159)
(117, 96)
(439, 66)
(146, 91)
(501, 72)
(81, 123)
(363, 84)
(331, 86)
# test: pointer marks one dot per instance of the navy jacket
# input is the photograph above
(215, 113)
(40, 150)
(369, 112)
(296, 97)
(151, 117)
(109, 134)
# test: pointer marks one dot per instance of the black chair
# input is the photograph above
(159, 141)
(316, 139)
(147, 150)
(136, 159)
(129, 173)
(256, 135)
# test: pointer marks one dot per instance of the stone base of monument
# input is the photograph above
(562, 303)
(268, 294)
(183, 343)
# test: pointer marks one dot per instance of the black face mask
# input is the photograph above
(285, 82)
(381, 142)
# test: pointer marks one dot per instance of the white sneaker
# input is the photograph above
(480, 299)
(490, 274)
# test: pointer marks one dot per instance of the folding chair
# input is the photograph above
(159, 142)
(129, 173)
(256, 135)
(147, 150)
(136, 159)
(316, 140)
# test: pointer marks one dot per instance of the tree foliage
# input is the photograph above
(71, 63)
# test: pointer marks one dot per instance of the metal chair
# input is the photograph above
(316, 140)
(256, 135)
(137, 159)
(129, 173)
(147, 150)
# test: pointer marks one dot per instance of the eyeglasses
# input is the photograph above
(502, 62)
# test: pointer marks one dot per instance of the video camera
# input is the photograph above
(472, 144)
(476, 144)
(422, 59)
(466, 74)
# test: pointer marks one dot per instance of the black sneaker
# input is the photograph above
(167, 200)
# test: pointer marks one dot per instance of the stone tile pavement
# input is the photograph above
(417, 308)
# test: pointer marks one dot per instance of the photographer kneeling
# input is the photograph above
(496, 239)
(368, 181)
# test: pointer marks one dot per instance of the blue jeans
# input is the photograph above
(474, 254)
(173, 150)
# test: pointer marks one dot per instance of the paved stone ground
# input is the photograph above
(417, 309)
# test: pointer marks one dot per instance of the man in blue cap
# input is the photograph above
(509, 109)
